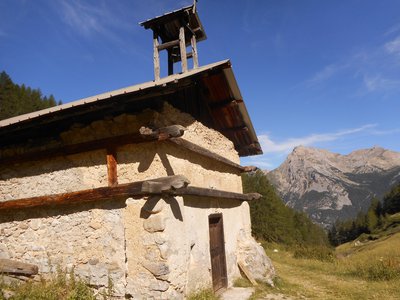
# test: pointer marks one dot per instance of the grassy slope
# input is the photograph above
(366, 270)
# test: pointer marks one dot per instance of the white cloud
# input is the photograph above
(325, 74)
(286, 146)
(393, 47)
(379, 83)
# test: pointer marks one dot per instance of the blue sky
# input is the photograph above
(324, 74)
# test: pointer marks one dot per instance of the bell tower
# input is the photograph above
(174, 31)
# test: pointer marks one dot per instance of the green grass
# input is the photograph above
(367, 270)
(206, 294)
(60, 286)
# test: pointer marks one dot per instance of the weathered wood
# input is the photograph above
(205, 152)
(235, 129)
(224, 103)
(136, 189)
(194, 51)
(182, 47)
(246, 272)
(162, 133)
(156, 57)
(173, 185)
(213, 193)
(18, 268)
(159, 185)
(112, 167)
(112, 142)
(168, 45)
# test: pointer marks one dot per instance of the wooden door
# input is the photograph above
(217, 251)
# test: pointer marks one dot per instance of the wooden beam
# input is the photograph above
(17, 268)
(235, 129)
(182, 46)
(156, 57)
(194, 51)
(112, 167)
(172, 185)
(162, 133)
(112, 142)
(168, 45)
(213, 193)
(205, 152)
(136, 189)
(159, 185)
(224, 103)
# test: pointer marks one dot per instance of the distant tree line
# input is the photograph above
(273, 221)
(18, 99)
(366, 222)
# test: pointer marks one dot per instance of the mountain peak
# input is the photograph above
(328, 185)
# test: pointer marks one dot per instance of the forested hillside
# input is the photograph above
(375, 219)
(273, 221)
(18, 99)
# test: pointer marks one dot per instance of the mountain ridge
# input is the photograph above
(328, 186)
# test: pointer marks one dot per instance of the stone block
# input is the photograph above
(154, 223)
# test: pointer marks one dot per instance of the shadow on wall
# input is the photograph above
(58, 210)
(154, 205)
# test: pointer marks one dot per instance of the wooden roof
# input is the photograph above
(210, 94)
(167, 26)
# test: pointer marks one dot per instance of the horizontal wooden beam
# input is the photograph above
(133, 138)
(134, 189)
(213, 193)
(224, 103)
(206, 153)
(168, 45)
(17, 267)
(176, 185)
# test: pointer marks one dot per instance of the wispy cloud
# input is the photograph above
(379, 83)
(287, 145)
(276, 151)
(93, 19)
(326, 73)
(393, 46)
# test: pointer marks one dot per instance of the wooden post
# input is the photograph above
(182, 46)
(194, 52)
(156, 57)
(112, 167)
(170, 62)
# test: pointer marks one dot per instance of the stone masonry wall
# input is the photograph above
(151, 248)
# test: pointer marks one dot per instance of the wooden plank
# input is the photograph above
(182, 46)
(16, 267)
(194, 51)
(112, 142)
(246, 272)
(168, 45)
(213, 193)
(172, 185)
(156, 57)
(159, 185)
(136, 189)
(112, 167)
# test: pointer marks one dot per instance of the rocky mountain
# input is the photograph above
(328, 186)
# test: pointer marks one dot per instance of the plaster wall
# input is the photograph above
(151, 248)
